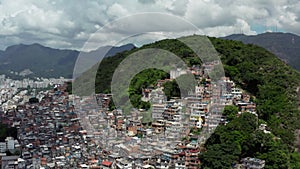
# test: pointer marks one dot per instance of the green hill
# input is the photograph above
(42, 61)
(274, 84)
(261, 73)
(284, 45)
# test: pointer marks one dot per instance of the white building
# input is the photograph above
(10, 142)
(176, 73)
(2, 147)
(157, 111)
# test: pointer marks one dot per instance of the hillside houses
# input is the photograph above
(66, 131)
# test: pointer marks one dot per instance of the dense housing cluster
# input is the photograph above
(59, 130)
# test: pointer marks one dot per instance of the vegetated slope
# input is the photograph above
(42, 61)
(108, 65)
(48, 62)
(260, 73)
(284, 45)
(274, 84)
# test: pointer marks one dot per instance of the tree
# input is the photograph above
(295, 160)
(275, 159)
(220, 156)
(111, 105)
(171, 89)
(33, 100)
(7, 132)
(144, 79)
(230, 111)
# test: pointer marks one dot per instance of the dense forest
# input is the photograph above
(257, 71)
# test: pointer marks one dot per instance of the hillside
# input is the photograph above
(48, 62)
(271, 81)
(274, 85)
(284, 45)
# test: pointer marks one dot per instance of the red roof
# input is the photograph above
(194, 151)
(182, 153)
(106, 163)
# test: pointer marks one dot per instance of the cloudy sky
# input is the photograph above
(70, 24)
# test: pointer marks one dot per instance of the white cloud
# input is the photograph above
(64, 24)
(240, 26)
(208, 14)
(117, 11)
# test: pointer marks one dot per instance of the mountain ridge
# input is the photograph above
(285, 46)
(45, 61)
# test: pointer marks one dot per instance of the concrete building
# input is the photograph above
(157, 111)
(3, 147)
(177, 72)
(252, 163)
(9, 162)
(10, 142)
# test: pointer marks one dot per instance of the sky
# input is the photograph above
(70, 24)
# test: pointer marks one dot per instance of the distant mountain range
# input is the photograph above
(286, 46)
(36, 60)
(1, 53)
(48, 62)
